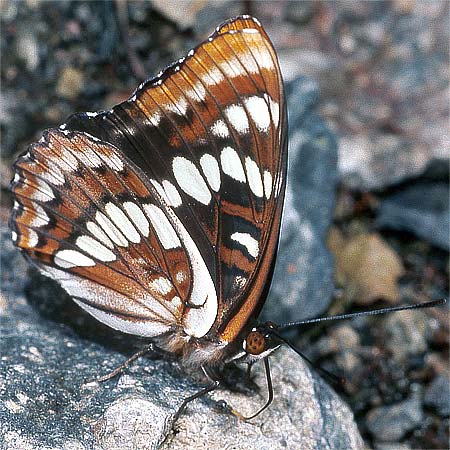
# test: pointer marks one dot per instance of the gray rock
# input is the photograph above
(303, 279)
(437, 395)
(44, 384)
(422, 209)
(368, 162)
(27, 46)
(299, 418)
(405, 333)
(391, 423)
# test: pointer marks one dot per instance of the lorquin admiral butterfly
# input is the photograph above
(161, 216)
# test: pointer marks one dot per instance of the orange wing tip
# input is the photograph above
(240, 23)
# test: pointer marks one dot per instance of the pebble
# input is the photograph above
(70, 83)
(369, 161)
(28, 48)
(422, 209)
(437, 395)
(391, 423)
(406, 333)
(366, 266)
(347, 341)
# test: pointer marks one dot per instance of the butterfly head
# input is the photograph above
(261, 341)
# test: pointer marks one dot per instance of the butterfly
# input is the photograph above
(161, 217)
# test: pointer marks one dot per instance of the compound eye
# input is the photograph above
(255, 343)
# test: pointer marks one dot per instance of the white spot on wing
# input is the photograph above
(44, 192)
(254, 177)
(33, 238)
(274, 109)
(265, 60)
(95, 249)
(13, 236)
(138, 217)
(259, 112)
(238, 118)
(249, 242)
(190, 180)
(176, 302)
(71, 258)
(213, 77)
(278, 185)
(89, 158)
(40, 217)
(180, 276)
(239, 281)
(179, 107)
(163, 228)
(160, 190)
(172, 194)
(232, 69)
(110, 229)
(211, 170)
(113, 161)
(248, 62)
(220, 129)
(155, 118)
(197, 93)
(231, 164)
(122, 222)
(161, 285)
(197, 321)
(99, 234)
(168, 192)
(68, 161)
(267, 184)
(53, 175)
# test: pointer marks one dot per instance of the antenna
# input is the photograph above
(374, 312)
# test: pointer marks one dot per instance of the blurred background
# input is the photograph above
(379, 72)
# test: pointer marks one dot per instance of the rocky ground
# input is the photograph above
(367, 200)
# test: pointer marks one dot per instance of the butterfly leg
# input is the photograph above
(266, 405)
(248, 372)
(149, 348)
(211, 387)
